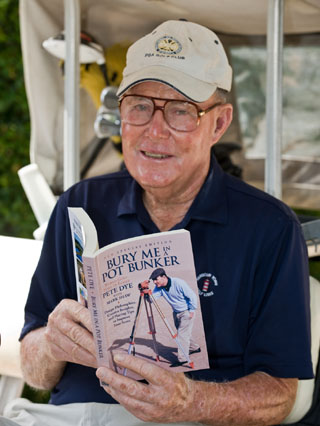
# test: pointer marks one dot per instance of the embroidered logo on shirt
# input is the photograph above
(206, 284)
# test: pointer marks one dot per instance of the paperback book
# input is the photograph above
(143, 296)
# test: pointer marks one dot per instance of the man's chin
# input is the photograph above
(151, 183)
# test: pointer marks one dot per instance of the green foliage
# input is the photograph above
(35, 395)
(16, 217)
(315, 214)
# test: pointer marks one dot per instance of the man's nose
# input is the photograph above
(157, 126)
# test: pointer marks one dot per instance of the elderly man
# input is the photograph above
(249, 254)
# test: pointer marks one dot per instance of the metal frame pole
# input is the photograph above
(71, 162)
(273, 178)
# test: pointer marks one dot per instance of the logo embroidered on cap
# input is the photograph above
(169, 45)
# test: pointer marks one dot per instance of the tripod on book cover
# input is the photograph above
(148, 300)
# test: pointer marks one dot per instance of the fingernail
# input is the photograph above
(118, 357)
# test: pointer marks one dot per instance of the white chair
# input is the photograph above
(19, 257)
(40, 196)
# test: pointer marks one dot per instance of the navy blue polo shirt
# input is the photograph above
(251, 265)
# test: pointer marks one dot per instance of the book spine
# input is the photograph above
(96, 310)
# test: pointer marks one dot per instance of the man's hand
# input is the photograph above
(144, 287)
(167, 398)
(257, 399)
(68, 334)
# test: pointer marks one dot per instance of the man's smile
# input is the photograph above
(155, 155)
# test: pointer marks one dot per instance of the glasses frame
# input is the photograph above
(200, 112)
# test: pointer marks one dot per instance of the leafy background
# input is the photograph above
(16, 217)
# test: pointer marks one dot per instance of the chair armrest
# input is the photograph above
(306, 387)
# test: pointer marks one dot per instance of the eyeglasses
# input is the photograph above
(183, 116)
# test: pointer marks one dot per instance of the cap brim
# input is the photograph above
(190, 87)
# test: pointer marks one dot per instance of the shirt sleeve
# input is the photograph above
(156, 293)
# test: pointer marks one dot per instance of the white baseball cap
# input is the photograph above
(186, 56)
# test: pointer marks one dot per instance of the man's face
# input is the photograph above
(159, 157)
(161, 281)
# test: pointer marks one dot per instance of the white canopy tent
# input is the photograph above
(114, 21)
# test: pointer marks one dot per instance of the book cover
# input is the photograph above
(142, 293)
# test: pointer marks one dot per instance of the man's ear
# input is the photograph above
(223, 121)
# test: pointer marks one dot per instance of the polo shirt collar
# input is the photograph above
(211, 202)
(209, 205)
(131, 202)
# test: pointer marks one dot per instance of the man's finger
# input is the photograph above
(73, 353)
(131, 394)
(152, 402)
(68, 329)
(79, 313)
(64, 349)
(118, 384)
(150, 372)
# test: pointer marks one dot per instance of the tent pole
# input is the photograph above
(273, 178)
(71, 134)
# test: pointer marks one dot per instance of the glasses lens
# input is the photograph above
(136, 110)
(181, 116)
